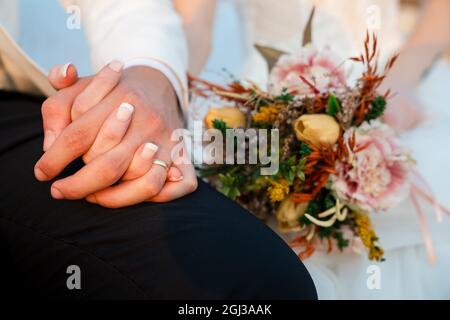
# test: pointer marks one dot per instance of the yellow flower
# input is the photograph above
(368, 236)
(278, 190)
(267, 114)
(232, 116)
(288, 215)
(320, 130)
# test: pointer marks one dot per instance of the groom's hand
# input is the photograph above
(156, 115)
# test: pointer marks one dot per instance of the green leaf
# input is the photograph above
(257, 183)
(301, 175)
(302, 163)
(341, 241)
(285, 96)
(290, 176)
(231, 183)
(291, 161)
(288, 169)
(286, 173)
(304, 149)
(333, 105)
(378, 106)
(329, 201)
(313, 210)
(256, 174)
(233, 193)
(220, 125)
(325, 232)
(225, 190)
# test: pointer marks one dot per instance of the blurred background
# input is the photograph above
(58, 44)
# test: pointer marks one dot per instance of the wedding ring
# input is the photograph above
(161, 163)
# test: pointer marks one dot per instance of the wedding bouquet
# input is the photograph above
(337, 161)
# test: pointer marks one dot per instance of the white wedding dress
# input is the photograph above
(406, 273)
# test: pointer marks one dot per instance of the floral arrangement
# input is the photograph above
(338, 162)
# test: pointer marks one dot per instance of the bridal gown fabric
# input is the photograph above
(406, 273)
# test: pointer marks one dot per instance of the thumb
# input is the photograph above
(174, 174)
(63, 76)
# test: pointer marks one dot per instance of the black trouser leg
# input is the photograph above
(200, 246)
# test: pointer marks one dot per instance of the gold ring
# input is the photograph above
(161, 163)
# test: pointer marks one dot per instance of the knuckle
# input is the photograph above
(132, 95)
(79, 106)
(156, 120)
(87, 158)
(110, 171)
(104, 78)
(132, 173)
(49, 108)
(150, 189)
(76, 139)
(155, 124)
(102, 83)
(111, 136)
(148, 112)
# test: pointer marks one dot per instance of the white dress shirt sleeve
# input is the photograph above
(137, 32)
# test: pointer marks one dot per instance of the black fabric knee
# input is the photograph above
(202, 246)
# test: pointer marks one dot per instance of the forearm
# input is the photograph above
(429, 40)
(198, 20)
(138, 32)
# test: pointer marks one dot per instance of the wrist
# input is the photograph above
(150, 77)
(401, 77)
(156, 90)
(178, 81)
(162, 84)
(413, 62)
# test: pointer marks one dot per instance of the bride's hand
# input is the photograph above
(110, 157)
(404, 111)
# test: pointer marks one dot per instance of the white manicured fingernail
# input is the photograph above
(175, 179)
(124, 112)
(116, 65)
(149, 150)
(63, 70)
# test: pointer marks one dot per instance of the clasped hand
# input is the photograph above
(119, 121)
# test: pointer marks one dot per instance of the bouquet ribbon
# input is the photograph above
(426, 194)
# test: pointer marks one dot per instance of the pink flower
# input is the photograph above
(321, 68)
(376, 178)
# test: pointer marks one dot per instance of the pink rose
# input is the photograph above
(376, 178)
(321, 68)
